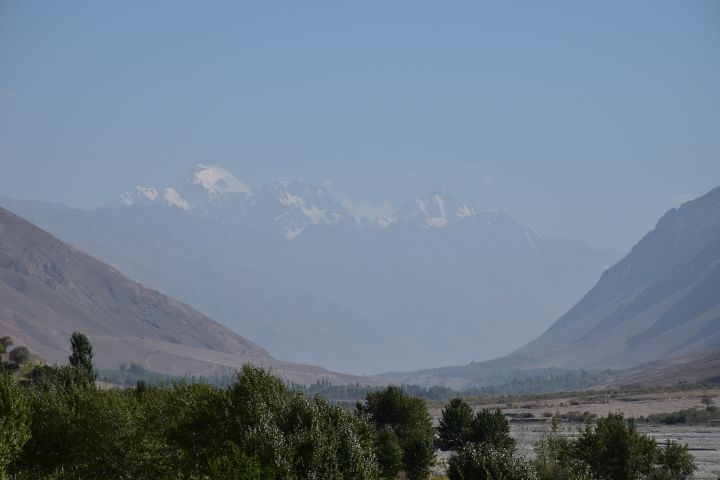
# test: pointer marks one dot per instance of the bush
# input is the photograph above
(484, 461)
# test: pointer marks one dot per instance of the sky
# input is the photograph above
(584, 119)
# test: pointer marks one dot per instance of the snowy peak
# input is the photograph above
(218, 181)
(294, 206)
(436, 209)
(289, 208)
(207, 185)
(146, 196)
(138, 196)
(173, 199)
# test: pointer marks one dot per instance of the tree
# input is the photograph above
(555, 458)
(614, 449)
(389, 452)
(674, 462)
(491, 426)
(293, 436)
(484, 461)
(82, 354)
(455, 424)
(5, 343)
(14, 421)
(18, 356)
(409, 419)
(62, 379)
(257, 429)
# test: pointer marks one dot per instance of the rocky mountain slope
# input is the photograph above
(662, 300)
(696, 368)
(49, 289)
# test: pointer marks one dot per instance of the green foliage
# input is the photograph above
(58, 378)
(610, 450)
(295, 436)
(555, 457)
(613, 449)
(18, 356)
(130, 376)
(234, 464)
(455, 424)
(688, 416)
(674, 462)
(485, 461)
(257, 429)
(5, 343)
(491, 426)
(86, 433)
(389, 452)
(82, 354)
(409, 419)
(14, 421)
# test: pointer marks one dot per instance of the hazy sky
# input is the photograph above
(584, 119)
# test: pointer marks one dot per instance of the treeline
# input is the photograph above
(56, 423)
(523, 384)
(131, 375)
(690, 416)
(519, 384)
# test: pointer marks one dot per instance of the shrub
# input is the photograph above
(484, 461)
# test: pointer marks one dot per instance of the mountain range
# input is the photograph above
(288, 265)
(49, 289)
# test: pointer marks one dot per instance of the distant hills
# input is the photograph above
(436, 282)
(660, 303)
(49, 289)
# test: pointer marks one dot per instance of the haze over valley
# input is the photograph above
(293, 269)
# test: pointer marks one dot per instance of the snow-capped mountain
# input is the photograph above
(168, 197)
(287, 208)
(291, 267)
(292, 207)
(438, 209)
(203, 187)
(209, 185)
